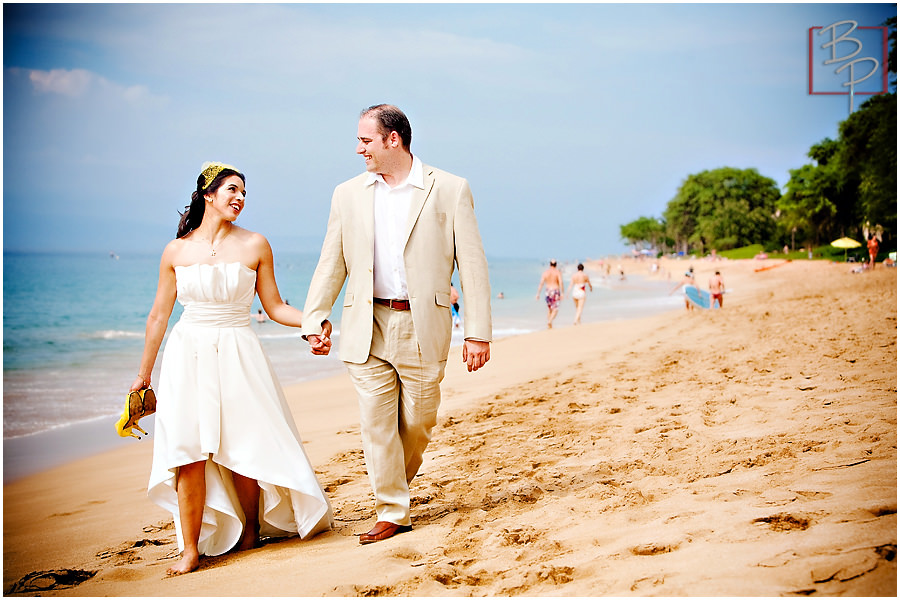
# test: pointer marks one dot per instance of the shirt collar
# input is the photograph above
(416, 177)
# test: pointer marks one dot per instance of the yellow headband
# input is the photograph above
(210, 170)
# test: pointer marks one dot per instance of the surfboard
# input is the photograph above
(699, 298)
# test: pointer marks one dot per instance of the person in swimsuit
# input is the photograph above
(580, 283)
(454, 306)
(716, 289)
(684, 283)
(872, 245)
(551, 278)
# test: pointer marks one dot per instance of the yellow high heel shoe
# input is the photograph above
(139, 403)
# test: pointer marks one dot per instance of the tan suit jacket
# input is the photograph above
(441, 229)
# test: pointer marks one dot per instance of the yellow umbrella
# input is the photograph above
(845, 243)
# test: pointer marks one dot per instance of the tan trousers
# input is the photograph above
(399, 395)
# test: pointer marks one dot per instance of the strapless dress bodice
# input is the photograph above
(216, 295)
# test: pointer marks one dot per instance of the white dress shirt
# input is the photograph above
(391, 218)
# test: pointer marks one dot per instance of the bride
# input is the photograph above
(228, 462)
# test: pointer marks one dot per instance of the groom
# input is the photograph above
(394, 234)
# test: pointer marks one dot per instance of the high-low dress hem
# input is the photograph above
(219, 401)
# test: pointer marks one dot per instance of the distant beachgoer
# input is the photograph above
(873, 250)
(578, 289)
(621, 273)
(228, 462)
(260, 316)
(716, 289)
(500, 296)
(454, 306)
(688, 280)
(551, 278)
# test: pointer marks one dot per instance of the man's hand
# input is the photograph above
(321, 344)
(476, 354)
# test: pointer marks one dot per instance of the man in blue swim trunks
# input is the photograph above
(552, 278)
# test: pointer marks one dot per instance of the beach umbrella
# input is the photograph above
(845, 243)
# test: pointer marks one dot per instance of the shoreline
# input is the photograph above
(744, 451)
(35, 452)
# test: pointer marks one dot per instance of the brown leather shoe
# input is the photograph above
(382, 531)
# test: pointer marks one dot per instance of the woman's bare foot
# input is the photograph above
(188, 562)
(249, 540)
(247, 544)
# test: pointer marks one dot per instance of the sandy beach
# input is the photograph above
(750, 450)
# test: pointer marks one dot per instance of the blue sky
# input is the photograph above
(567, 120)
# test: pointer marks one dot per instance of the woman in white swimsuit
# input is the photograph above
(578, 289)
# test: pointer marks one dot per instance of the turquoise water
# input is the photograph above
(73, 326)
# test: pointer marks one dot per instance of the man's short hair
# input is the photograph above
(390, 118)
(552, 262)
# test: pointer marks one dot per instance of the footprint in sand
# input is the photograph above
(332, 486)
(785, 522)
(519, 536)
(556, 574)
(43, 581)
(653, 549)
(162, 526)
(65, 514)
(128, 553)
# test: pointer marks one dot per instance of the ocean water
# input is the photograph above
(73, 326)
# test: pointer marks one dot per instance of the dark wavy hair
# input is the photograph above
(193, 212)
(390, 118)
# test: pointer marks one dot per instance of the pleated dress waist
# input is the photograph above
(216, 314)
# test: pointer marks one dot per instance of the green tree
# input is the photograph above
(810, 207)
(647, 230)
(867, 160)
(806, 212)
(722, 209)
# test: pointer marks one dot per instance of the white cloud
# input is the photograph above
(61, 81)
(77, 83)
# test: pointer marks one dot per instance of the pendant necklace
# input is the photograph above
(213, 248)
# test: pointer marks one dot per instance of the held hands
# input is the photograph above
(476, 354)
(321, 344)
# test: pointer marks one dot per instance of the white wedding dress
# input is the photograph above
(220, 401)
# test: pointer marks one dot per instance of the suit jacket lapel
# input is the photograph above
(418, 201)
(366, 207)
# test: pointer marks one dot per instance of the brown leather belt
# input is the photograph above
(393, 304)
